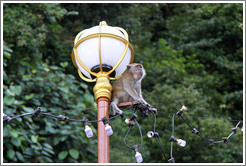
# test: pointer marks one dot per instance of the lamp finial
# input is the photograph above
(104, 23)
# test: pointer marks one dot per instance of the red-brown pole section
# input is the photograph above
(103, 138)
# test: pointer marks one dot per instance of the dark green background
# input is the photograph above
(192, 53)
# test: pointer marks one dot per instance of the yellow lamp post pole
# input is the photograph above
(102, 69)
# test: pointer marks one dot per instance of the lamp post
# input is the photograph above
(101, 54)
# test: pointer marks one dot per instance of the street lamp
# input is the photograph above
(101, 54)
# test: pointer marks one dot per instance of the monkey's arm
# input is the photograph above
(139, 91)
(128, 87)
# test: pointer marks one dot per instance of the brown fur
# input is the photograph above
(128, 87)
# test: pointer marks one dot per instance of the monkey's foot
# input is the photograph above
(119, 112)
(122, 115)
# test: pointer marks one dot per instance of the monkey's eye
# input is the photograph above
(139, 66)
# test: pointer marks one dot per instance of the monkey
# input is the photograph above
(128, 88)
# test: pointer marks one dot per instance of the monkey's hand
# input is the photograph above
(142, 102)
(146, 105)
(151, 108)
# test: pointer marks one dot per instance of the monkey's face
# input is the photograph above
(137, 70)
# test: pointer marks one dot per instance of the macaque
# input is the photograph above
(128, 88)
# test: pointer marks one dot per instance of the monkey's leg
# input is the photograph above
(115, 108)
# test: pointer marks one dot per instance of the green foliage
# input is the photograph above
(193, 56)
(38, 82)
(214, 33)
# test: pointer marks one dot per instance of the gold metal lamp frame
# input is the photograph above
(77, 42)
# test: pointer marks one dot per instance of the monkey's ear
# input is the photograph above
(128, 66)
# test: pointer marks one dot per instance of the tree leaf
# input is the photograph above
(49, 150)
(45, 153)
(62, 155)
(8, 100)
(16, 89)
(28, 97)
(16, 141)
(48, 146)
(64, 64)
(28, 109)
(34, 138)
(6, 131)
(20, 156)
(14, 133)
(42, 138)
(10, 153)
(74, 153)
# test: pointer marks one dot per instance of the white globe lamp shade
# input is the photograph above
(102, 49)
